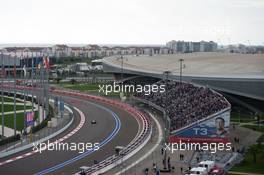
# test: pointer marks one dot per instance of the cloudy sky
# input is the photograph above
(131, 21)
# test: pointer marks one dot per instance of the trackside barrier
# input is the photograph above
(22, 148)
(132, 148)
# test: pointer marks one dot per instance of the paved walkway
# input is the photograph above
(246, 136)
(8, 131)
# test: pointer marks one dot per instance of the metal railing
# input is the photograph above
(46, 133)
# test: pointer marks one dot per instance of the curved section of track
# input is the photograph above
(85, 154)
(61, 162)
(136, 144)
(81, 123)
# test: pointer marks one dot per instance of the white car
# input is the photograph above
(198, 170)
(208, 164)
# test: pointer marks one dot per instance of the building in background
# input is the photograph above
(9, 64)
(189, 46)
(94, 51)
(61, 50)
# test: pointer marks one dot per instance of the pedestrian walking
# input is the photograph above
(146, 171)
(197, 159)
(169, 160)
(154, 167)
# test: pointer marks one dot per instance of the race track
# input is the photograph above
(54, 162)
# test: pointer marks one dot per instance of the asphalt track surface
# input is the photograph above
(87, 134)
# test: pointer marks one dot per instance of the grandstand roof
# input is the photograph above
(203, 64)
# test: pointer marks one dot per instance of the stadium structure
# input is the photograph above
(200, 73)
(240, 74)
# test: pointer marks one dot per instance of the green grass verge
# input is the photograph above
(9, 120)
(9, 100)
(248, 164)
(71, 60)
(242, 118)
(8, 108)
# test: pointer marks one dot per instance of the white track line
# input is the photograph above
(81, 123)
(149, 152)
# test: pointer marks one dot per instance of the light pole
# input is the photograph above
(122, 67)
(24, 90)
(166, 118)
(181, 67)
(32, 82)
(15, 117)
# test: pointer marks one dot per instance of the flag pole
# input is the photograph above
(2, 94)
(37, 80)
(32, 94)
(8, 73)
(15, 117)
(43, 87)
(32, 72)
(24, 77)
(47, 69)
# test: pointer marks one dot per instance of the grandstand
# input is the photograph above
(187, 104)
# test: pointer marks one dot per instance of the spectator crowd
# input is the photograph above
(185, 103)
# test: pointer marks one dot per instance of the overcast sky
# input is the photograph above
(131, 21)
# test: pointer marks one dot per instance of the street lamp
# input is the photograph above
(181, 67)
(166, 118)
(122, 67)
(15, 113)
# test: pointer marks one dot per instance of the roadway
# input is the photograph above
(87, 134)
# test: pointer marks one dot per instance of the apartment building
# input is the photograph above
(189, 46)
